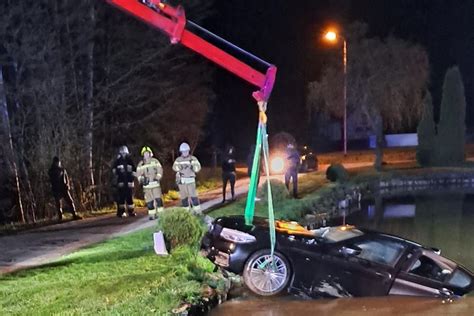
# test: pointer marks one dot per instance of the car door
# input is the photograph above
(310, 269)
(369, 265)
(428, 274)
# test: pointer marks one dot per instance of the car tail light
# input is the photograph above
(236, 236)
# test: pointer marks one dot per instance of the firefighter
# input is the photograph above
(228, 173)
(292, 165)
(124, 175)
(149, 173)
(60, 187)
(186, 166)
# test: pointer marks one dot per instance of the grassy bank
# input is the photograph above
(121, 276)
(319, 196)
(311, 186)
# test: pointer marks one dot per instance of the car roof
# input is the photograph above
(351, 231)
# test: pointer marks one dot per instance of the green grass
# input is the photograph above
(122, 276)
(290, 209)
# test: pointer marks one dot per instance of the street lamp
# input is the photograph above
(332, 36)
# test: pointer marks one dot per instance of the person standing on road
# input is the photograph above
(228, 173)
(61, 188)
(186, 167)
(149, 174)
(292, 166)
(123, 172)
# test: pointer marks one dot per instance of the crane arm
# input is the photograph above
(172, 21)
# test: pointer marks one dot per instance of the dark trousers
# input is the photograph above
(124, 197)
(66, 196)
(292, 175)
(228, 177)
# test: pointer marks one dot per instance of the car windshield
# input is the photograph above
(336, 234)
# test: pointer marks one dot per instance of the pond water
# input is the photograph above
(441, 220)
(444, 221)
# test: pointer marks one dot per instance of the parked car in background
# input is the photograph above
(342, 261)
(308, 160)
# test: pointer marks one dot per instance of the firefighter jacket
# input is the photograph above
(186, 169)
(149, 173)
(124, 171)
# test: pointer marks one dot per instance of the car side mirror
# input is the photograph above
(351, 251)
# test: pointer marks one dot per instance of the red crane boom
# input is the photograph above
(172, 21)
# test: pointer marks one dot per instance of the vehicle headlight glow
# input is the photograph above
(277, 164)
(237, 236)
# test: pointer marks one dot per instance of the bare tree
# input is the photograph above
(82, 79)
(8, 152)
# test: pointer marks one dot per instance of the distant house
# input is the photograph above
(359, 132)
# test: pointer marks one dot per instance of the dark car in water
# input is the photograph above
(342, 261)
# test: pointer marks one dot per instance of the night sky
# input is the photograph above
(287, 34)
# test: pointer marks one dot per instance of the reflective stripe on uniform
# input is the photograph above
(184, 162)
(152, 185)
(187, 180)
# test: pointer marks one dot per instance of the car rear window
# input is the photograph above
(380, 251)
(460, 279)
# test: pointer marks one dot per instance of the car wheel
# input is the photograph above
(265, 276)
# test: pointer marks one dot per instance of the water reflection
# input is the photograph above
(381, 306)
(444, 221)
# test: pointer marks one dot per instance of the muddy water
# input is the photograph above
(383, 306)
(444, 221)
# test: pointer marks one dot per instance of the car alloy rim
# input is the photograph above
(267, 275)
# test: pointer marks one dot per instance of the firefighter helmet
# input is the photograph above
(146, 149)
(123, 150)
(184, 147)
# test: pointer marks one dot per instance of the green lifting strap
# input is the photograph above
(252, 192)
(262, 141)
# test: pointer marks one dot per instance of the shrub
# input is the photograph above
(180, 227)
(426, 134)
(171, 195)
(452, 117)
(139, 202)
(279, 191)
(337, 172)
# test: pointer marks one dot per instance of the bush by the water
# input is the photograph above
(279, 191)
(180, 227)
(337, 172)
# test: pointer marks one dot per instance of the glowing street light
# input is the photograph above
(332, 36)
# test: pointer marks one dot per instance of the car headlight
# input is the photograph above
(237, 236)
